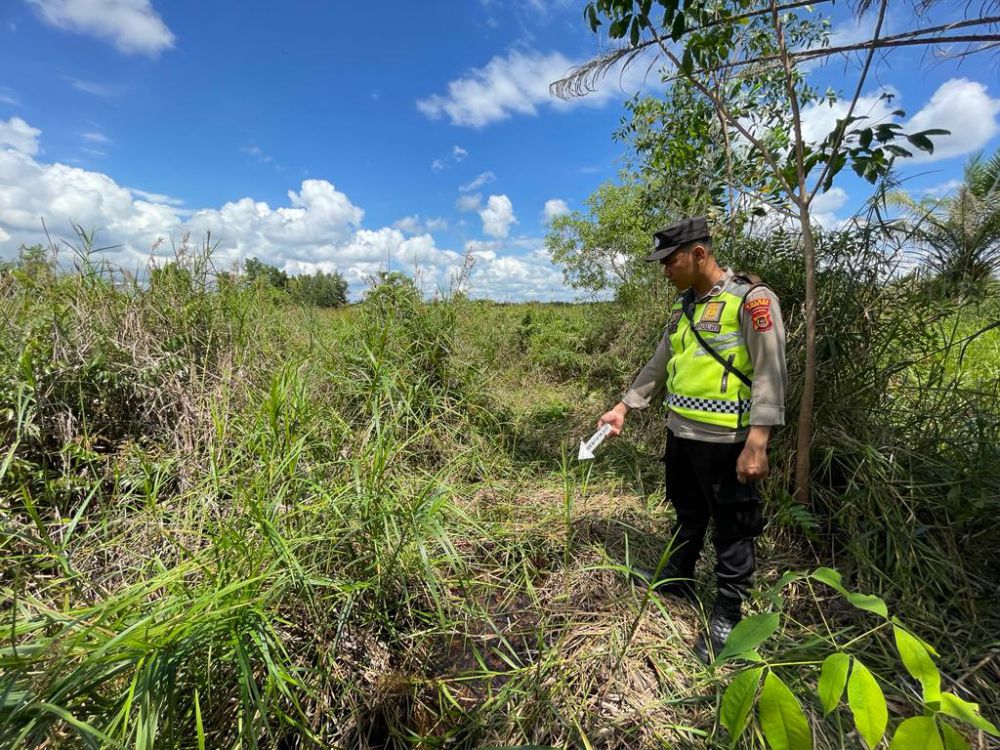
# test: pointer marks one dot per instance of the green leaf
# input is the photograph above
(865, 140)
(678, 28)
(634, 33)
(749, 634)
(198, 725)
(832, 679)
(952, 739)
(952, 705)
(867, 704)
(686, 62)
(831, 578)
(917, 733)
(785, 726)
(737, 701)
(869, 602)
(919, 664)
(618, 27)
(922, 142)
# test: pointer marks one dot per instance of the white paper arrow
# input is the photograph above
(587, 449)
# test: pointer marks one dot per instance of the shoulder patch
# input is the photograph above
(675, 317)
(759, 311)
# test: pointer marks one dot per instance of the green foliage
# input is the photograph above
(319, 288)
(602, 250)
(738, 700)
(230, 521)
(867, 703)
(780, 714)
(258, 271)
(958, 236)
(781, 718)
(833, 680)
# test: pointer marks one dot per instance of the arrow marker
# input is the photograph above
(587, 449)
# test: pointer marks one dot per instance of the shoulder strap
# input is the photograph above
(688, 307)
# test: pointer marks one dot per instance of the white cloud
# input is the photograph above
(9, 96)
(524, 277)
(483, 250)
(133, 26)
(824, 207)
(319, 229)
(416, 225)
(456, 156)
(497, 216)
(468, 202)
(942, 189)
(519, 84)
(19, 135)
(156, 197)
(103, 90)
(555, 207)
(484, 178)
(95, 137)
(257, 153)
(962, 106)
(966, 109)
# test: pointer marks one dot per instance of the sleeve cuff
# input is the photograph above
(633, 400)
(767, 415)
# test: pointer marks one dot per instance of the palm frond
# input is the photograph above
(584, 79)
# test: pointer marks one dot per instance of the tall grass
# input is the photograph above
(228, 521)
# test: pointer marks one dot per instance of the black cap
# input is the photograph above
(677, 235)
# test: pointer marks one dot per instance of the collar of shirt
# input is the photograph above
(719, 285)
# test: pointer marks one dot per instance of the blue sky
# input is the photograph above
(334, 135)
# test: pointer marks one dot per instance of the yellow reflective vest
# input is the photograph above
(698, 386)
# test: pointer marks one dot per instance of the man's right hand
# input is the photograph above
(615, 417)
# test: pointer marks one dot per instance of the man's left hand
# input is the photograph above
(752, 463)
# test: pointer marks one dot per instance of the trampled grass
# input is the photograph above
(228, 521)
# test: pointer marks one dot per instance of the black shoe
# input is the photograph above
(725, 615)
(680, 588)
(672, 584)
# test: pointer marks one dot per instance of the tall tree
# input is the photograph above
(744, 57)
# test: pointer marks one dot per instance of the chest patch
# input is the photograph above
(675, 317)
(712, 312)
(760, 314)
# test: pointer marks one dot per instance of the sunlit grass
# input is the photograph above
(228, 521)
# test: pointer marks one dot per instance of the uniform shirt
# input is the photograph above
(766, 346)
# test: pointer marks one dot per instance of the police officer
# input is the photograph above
(721, 366)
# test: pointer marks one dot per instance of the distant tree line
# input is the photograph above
(319, 288)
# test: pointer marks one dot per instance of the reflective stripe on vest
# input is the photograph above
(712, 405)
(698, 386)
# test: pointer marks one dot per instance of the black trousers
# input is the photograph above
(702, 485)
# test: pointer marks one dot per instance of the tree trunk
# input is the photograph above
(803, 442)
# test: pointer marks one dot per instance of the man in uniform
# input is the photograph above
(721, 365)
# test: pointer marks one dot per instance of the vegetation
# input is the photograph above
(738, 61)
(318, 288)
(958, 235)
(236, 512)
(229, 521)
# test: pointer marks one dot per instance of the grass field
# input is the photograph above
(229, 521)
